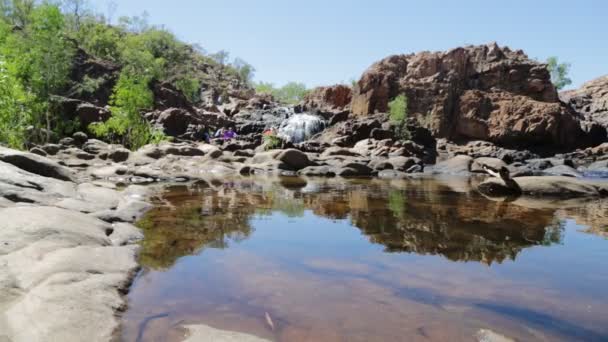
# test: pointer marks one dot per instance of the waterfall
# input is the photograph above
(301, 127)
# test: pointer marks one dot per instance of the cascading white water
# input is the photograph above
(300, 127)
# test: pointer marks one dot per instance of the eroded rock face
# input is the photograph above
(477, 92)
(591, 100)
(328, 100)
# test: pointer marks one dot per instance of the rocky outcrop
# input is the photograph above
(475, 92)
(67, 248)
(328, 100)
(590, 100)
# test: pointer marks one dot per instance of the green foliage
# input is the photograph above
(559, 72)
(271, 141)
(38, 45)
(264, 88)
(290, 93)
(99, 39)
(190, 87)
(398, 108)
(15, 109)
(40, 58)
(398, 115)
(127, 126)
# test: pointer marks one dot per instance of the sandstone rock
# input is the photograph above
(293, 158)
(167, 96)
(63, 261)
(476, 92)
(36, 164)
(328, 100)
(39, 151)
(88, 113)
(51, 149)
(119, 154)
(591, 100)
(95, 146)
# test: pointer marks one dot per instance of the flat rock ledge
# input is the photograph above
(67, 253)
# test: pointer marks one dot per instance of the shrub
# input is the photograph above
(127, 126)
(559, 73)
(398, 115)
(271, 141)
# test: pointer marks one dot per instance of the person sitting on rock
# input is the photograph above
(230, 134)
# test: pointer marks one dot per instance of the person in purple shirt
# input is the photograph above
(229, 134)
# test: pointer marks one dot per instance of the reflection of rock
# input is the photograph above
(425, 218)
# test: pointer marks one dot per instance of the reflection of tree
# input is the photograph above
(426, 219)
(191, 223)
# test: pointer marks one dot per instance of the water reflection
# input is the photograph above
(417, 216)
(363, 260)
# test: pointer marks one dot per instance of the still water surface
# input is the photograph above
(338, 260)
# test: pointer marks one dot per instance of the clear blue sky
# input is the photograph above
(322, 42)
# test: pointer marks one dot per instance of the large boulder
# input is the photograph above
(474, 92)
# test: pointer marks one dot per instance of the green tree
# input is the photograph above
(16, 12)
(127, 126)
(264, 88)
(559, 72)
(15, 109)
(244, 70)
(398, 108)
(398, 115)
